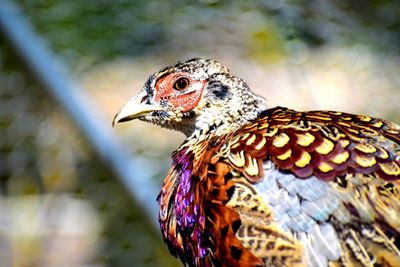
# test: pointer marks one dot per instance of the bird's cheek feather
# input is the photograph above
(163, 92)
(187, 101)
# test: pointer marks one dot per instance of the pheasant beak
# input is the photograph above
(135, 108)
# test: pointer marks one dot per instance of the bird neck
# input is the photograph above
(241, 109)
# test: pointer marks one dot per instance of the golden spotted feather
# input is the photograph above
(354, 159)
(357, 156)
(321, 143)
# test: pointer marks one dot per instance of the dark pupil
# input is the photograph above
(181, 83)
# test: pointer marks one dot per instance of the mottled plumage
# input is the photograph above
(258, 186)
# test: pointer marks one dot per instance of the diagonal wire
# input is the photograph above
(53, 76)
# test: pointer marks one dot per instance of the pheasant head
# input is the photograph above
(197, 95)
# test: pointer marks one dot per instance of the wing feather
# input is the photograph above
(343, 171)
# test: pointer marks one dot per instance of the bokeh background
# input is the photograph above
(60, 205)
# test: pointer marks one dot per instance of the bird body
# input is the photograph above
(258, 186)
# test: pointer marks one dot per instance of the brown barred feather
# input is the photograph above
(335, 147)
(324, 144)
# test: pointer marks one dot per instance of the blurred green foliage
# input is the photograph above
(92, 31)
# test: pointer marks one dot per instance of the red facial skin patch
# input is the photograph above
(180, 100)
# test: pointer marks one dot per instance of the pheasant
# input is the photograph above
(259, 186)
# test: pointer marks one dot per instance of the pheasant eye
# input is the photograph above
(181, 84)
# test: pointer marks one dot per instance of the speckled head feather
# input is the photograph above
(196, 95)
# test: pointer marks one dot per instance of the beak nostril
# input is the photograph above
(144, 99)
